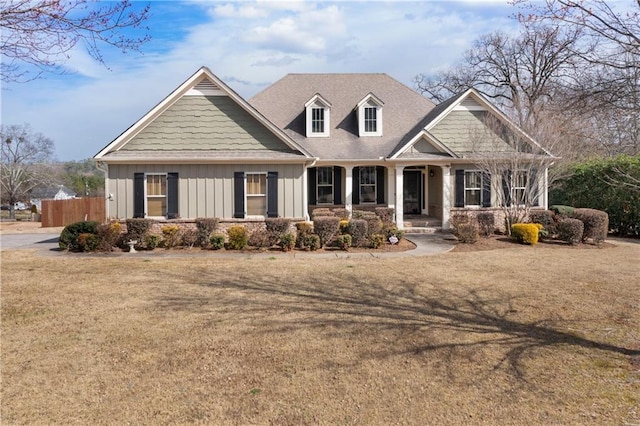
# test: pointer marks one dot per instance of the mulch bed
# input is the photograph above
(498, 242)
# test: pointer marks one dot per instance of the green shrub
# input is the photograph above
(374, 225)
(326, 228)
(343, 227)
(171, 235)
(467, 233)
(137, 230)
(217, 241)
(69, 236)
(87, 242)
(238, 237)
(376, 241)
(393, 231)
(276, 226)
(358, 230)
(561, 210)
(190, 237)
(596, 224)
(309, 242)
(205, 226)
(287, 241)
(261, 239)
(458, 219)
(344, 241)
(303, 229)
(108, 236)
(486, 223)
(547, 218)
(570, 230)
(525, 233)
(152, 241)
(362, 214)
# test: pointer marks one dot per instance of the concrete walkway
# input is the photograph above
(47, 245)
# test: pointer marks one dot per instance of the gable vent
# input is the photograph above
(205, 88)
(470, 104)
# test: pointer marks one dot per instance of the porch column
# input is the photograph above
(348, 190)
(446, 196)
(400, 197)
(545, 191)
(391, 185)
(305, 193)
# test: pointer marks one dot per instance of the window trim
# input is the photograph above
(374, 185)
(369, 101)
(317, 103)
(480, 188)
(247, 195)
(318, 185)
(165, 196)
(514, 178)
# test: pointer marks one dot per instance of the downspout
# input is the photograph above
(104, 168)
(305, 189)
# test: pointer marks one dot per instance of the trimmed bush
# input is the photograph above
(171, 235)
(87, 242)
(326, 228)
(108, 236)
(217, 241)
(374, 226)
(596, 224)
(190, 237)
(238, 237)
(376, 241)
(385, 214)
(570, 230)
(303, 229)
(458, 219)
(393, 231)
(321, 212)
(287, 241)
(276, 226)
(137, 230)
(547, 218)
(358, 231)
(344, 226)
(344, 241)
(467, 233)
(69, 236)
(525, 233)
(261, 239)
(342, 213)
(205, 226)
(486, 223)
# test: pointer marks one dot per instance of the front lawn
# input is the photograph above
(507, 336)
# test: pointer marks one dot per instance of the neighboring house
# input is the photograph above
(354, 141)
(50, 192)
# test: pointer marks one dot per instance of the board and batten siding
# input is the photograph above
(206, 190)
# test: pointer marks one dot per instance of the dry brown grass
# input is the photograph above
(515, 336)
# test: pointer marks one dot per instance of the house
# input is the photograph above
(348, 141)
(50, 192)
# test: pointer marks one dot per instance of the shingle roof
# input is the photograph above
(283, 104)
(50, 191)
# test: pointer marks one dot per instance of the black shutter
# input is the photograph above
(380, 185)
(486, 189)
(355, 192)
(312, 175)
(138, 195)
(534, 187)
(172, 195)
(272, 194)
(337, 185)
(459, 200)
(506, 187)
(238, 195)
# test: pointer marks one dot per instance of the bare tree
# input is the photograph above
(40, 34)
(24, 156)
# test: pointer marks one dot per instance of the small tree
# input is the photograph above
(24, 158)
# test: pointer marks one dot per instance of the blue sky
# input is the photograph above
(249, 44)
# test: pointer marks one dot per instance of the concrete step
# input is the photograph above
(422, 229)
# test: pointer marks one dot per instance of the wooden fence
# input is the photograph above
(64, 212)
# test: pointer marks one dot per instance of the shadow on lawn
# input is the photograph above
(353, 307)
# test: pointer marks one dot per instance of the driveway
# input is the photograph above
(43, 241)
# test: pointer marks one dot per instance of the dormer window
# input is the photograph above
(370, 116)
(317, 117)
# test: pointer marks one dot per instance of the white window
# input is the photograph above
(256, 194)
(318, 114)
(368, 184)
(325, 185)
(519, 188)
(369, 111)
(156, 195)
(472, 188)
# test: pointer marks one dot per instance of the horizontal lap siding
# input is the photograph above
(206, 190)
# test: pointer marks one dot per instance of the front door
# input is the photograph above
(412, 192)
